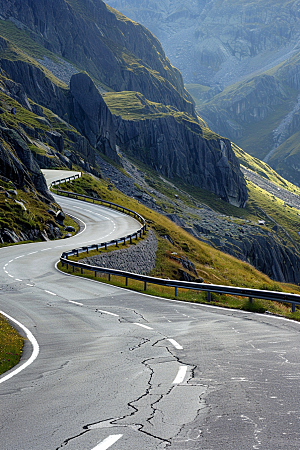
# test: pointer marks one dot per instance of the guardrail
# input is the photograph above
(283, 297)
(64, 180)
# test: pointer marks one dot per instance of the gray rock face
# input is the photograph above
(231, 111)
(22, 170)
(11, 237)
(175, 150)
(90, 115)
(36, 85)
(119, 53)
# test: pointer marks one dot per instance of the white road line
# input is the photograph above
(18, 279)
(35, 346)
(31, 253)
(142, 325)
(21, 256)
(29, 284)
(108, 442)
(76, 303)
(45, 249)
(11, 276)
(176, 345)
(107, 312)
(181, 374)
(49, 292)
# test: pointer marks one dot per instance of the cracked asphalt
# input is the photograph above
(105, 376)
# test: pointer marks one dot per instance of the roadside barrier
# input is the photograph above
(283, 297)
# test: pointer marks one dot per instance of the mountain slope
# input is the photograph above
(129, 57)
(67, 118)
(101, 41)
(240, 60)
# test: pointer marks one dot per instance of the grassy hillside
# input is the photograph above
(212, 265)
(263, 169)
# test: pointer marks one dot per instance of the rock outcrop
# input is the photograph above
(20, 168)
(119, 53)
(90, 115)
(179, 150)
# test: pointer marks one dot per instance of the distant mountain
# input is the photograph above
(240, 60)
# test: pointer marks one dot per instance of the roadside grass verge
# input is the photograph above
(189, 295)
(210, 264)
(11, 345)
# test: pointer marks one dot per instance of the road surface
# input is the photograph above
(111, 368)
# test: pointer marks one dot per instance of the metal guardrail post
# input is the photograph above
(209, 296)
(293, 307)
(251, 300)
(175, 291)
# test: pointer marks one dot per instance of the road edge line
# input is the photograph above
(34, 344)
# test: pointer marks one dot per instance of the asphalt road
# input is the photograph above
(120, 370)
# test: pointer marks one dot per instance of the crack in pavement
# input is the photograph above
(151, 414)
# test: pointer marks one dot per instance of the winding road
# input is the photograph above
(110, 368)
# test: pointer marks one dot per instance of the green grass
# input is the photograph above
(22, 40)
(11, 345)
(212, 265)
(189, 295)
(20, 47)
(36, 217)
(132, 105)
(263, 169)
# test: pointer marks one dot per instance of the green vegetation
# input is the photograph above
(19, 47)
(196, 91)
(134, 106)
(212, 265)
(190, 295)
(22, 40)
(11, 344)
(263, 169)
(23, 211)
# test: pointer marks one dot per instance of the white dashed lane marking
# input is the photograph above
(107, 312)
(180, 375)
(176, 345)
(142, 325)
(108, 442)
(49, 292)
(76, 303)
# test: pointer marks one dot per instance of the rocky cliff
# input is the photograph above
(240, 61)
(178, 150)
(118, 53)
